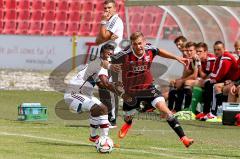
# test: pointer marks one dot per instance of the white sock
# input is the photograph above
(93, 125)
(104, 125)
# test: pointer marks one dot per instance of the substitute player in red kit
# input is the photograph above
(138, 83)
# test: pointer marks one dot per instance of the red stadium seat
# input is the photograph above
(60, 28)
(85, 29)
(23, 4)
(48, 28)
(147, 31)
(147, 18)
(97, 17)
(50, 5)
(155, 29)
(135, 18)
(95, 29)
(10, 15)
(98, 7)
(1, 26)
(139, 10)
(87, 6)
(73, 28)
(23, 15)
(9, 27)
(61, 16)
(62, 5)
(10, 4)
(74, 16)
(170, 22)
(1, 4)
(37, 4)
(49, 15)
(35, 27)
(86, 17)
(135, 27)
(120, 8)
(36, 15)
(158, 18)
(22, 27)
(1, 15)
(75, 5)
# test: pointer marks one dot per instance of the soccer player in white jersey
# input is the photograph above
(111, 29)
(79, 95)
(111, 26)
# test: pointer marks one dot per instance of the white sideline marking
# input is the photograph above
(190, 149)
(82, 143)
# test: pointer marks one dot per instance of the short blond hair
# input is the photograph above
(136, 35)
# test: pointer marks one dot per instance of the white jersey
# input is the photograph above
(86, 79)
(115, 26)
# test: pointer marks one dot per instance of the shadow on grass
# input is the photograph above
(77, 126)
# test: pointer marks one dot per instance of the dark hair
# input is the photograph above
(109, 1)
(180, 38)
(190, 44)
(219, 43)
(203, 45)
(107, 46)
(136, 35)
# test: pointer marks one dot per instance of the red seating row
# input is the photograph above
(49, 28)
(51, 16)
(61, 5)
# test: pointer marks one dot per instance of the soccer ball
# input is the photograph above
(104, 144)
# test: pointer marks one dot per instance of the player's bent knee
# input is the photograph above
(98, 110)
(156, 100)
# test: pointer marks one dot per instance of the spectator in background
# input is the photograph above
(236, 53)
(225, 69)
(111, 30)
(179, 42)
(233, 90)
(178, 89)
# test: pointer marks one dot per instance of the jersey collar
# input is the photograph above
(136, 55)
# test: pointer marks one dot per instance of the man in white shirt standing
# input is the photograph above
(111, 30)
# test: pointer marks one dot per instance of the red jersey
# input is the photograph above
(225, 68)
(208, 65)
(136, 74)
(237, 77)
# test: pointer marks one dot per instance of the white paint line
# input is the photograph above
(190, 149)
(82, 143)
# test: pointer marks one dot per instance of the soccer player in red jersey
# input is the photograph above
(138, 83)
(225, 68)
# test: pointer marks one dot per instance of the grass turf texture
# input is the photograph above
(60, 139)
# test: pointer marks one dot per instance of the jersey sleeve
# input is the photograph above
(155, 50)
(222, 71)
(113, 26)
(118, 58)
(103, 72)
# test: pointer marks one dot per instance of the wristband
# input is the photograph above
(103, 22)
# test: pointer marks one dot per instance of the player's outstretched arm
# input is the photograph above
(166, 54)
(113, 67)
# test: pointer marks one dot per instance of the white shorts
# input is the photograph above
(79, 102)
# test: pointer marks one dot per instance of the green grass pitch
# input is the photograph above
(64, 139)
